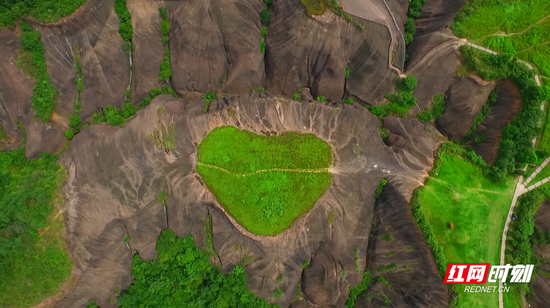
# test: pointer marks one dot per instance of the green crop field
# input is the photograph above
(519, 27)
(264, 183)
(460, 194)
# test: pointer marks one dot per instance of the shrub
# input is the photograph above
(407, 84)
(278, 293)
(305, 264)
(384, 132)
(380, 187)
(263, 45)
(209, 97)
(297, 97)
(320, 99)
(264, 31)
(348, 101)
(69, 134)
(265, 17)
(165, 67)
(347, 72)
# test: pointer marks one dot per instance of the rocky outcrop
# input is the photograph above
(463, 101)
(15, 106)
(93, 33)
(115, 174)
(415, 281)
(501, 113)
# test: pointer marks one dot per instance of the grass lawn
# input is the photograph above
(544, 173)
(477, 208)
(526, 24)
(264, 183)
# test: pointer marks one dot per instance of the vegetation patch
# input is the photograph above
(318, 7)
(165, 68)
(415, 8)
(74, 120)
(183, 277)
(125, 24)
(435, 112)
(516, 148)
(380, 187)
(482, 114)
(400, 103)
(33, 260)
(279, 178)
(41, 10)
(458, 193)
(354, 292)
(44, 93)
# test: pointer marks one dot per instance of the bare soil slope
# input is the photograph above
(116, 173)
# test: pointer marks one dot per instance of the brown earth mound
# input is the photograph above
(15, 106)
(500, 115)
(116, 173)
(463, 101)
(93, 33)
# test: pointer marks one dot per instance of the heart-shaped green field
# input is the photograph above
(264, 183)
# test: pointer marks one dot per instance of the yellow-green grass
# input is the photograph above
(520, 27)
(264, 183)
(461, 195)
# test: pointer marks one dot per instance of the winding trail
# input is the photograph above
(322, 170)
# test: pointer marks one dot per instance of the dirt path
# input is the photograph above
(322, 170)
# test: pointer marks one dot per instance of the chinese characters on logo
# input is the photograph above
(478, 273)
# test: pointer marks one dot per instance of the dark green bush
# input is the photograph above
(125, 20)
(265, 17)
(407, 84)
(263, 45)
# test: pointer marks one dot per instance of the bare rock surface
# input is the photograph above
(115, 174)
(463, 101)
(93, 33)
(15, 106)
(148, 49)
(501, 113)
(415, 281)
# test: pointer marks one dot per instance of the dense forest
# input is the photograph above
(183, 277)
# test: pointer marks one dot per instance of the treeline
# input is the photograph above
(41, 10)
(184, 277)
(415, 8)
(516, 145)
